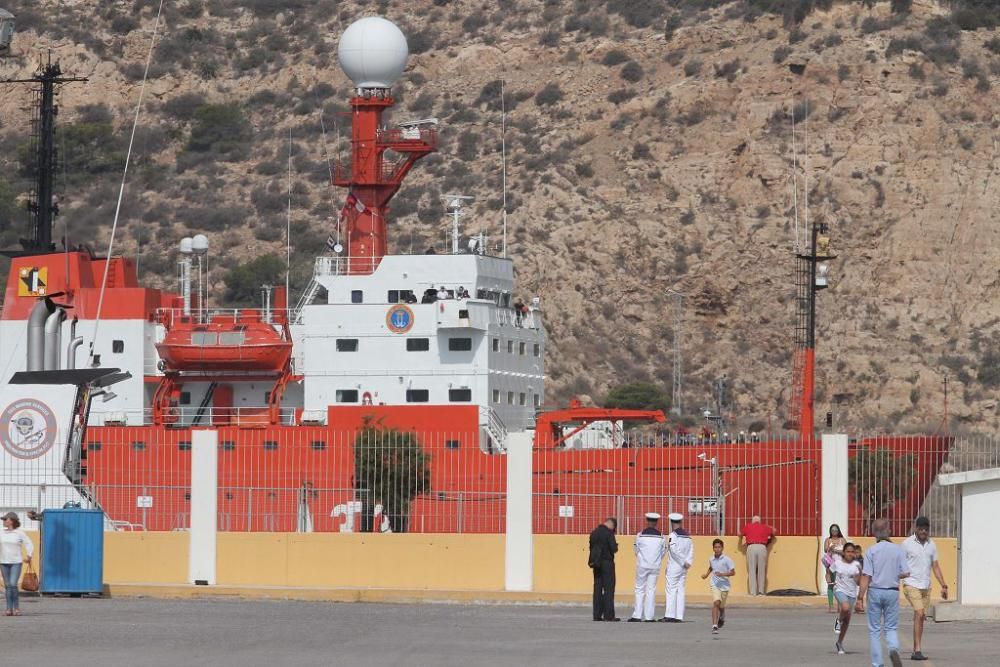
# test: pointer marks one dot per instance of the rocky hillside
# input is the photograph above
(650, 149)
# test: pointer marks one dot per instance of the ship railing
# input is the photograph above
(168, 316)
(509, 317)
(184, 417)
(331, 266)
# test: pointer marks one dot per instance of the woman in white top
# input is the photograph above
(12, 540)
(833, 552)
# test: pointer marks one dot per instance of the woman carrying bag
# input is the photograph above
(12, 539)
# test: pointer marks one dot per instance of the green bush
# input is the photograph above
(638, 396)
(614, 57)
(391, 469)
(621, 96)
(549, 95)
(632, 72)
(220, 130)
(244, 281)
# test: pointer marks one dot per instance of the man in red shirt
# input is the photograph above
(756, 536)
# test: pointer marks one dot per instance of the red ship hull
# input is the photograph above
(268, 475)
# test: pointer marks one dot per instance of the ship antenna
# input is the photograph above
(454, 209)
(121, 189)
(503, 160)
(288, 219)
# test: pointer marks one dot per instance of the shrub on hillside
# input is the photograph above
(243, 282)
(632, 72)
(184, 106)
(692, 67)
(221, 130)
(621, 96)
(614, 57)
(549, 95)
(780, 54)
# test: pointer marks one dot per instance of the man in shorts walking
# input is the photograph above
(921, 558)
(721, 567)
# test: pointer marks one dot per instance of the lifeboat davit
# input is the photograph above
(241, 341)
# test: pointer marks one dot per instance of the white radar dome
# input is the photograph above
(199, 244)
(373, 52)
(187, 245)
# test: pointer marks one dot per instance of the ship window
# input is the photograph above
(510, 398)
(520, 398)
(521, 347)
(496, 395)
(393, 296)
(184, 445)
(117, 346)
(417, 395)
(347, 395)
(460, 395)
(187, 497)
(463, 314)
(452, 444)
(538, 400)
(229, 495)
(270, 445)
(505, 300)
(204, 338)
(94, 446)
(496, 344)
(232, 338)
(418, 344)
(185, 398)
(357, 296)
(510, 347)
(459, 344)
(318, 445)
(228, 445)
(138, 446)
(538, 350)
(347, 345)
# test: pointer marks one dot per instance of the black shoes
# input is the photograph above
(918, 655)
(635, 620)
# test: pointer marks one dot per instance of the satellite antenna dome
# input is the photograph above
(187, 245)
(373, 52)
(199, 244)
(338, 248)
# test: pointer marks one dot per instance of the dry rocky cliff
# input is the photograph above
(650, 149)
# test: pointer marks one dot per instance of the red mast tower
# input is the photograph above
(373, 53)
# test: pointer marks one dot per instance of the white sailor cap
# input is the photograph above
(674, 516)
(652, 516)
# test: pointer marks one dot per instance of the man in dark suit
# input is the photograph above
(602, 561)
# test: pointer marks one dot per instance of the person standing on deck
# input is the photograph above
(650, 547)
(680, 551)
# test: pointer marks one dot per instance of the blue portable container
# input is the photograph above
(72, 551)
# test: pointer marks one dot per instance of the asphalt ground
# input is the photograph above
(112, 632)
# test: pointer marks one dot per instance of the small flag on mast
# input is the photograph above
(352, 200)
(331, 243)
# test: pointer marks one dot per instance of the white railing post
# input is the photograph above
(204, 506)
(834, 505)
(519, 549)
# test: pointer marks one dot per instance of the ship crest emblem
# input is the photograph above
(399, 319)
(27, 428)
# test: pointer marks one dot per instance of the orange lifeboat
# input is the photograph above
(241, 341)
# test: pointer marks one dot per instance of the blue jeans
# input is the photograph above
(883, 612)
(11, 576)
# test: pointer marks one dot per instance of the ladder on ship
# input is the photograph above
(204, 404)
(307, 298)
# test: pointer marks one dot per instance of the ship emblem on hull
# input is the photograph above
(27, 429)
(33, 281)
(399, 319)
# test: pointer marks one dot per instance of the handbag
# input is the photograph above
(29, 582)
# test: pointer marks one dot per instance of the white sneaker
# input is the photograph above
(715, 629)
(840, 648)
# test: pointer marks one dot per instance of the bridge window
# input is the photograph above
(418, 344)
(347, 395)
(496, 395)
(538, 350)
(459, 344)
(538, 400)
(460, 395)
(417, 395)
(185, 398)
(347, 345)
(520, 398)
(496, 344)
(392, 296)
(357, 296)
(510, 347)
(521, 348)
(510, 398)
(117, 346)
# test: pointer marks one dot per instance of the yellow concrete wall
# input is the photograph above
(410, 561)
(434, 562)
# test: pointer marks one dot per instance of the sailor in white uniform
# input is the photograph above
(650, 547)
(680, 553)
